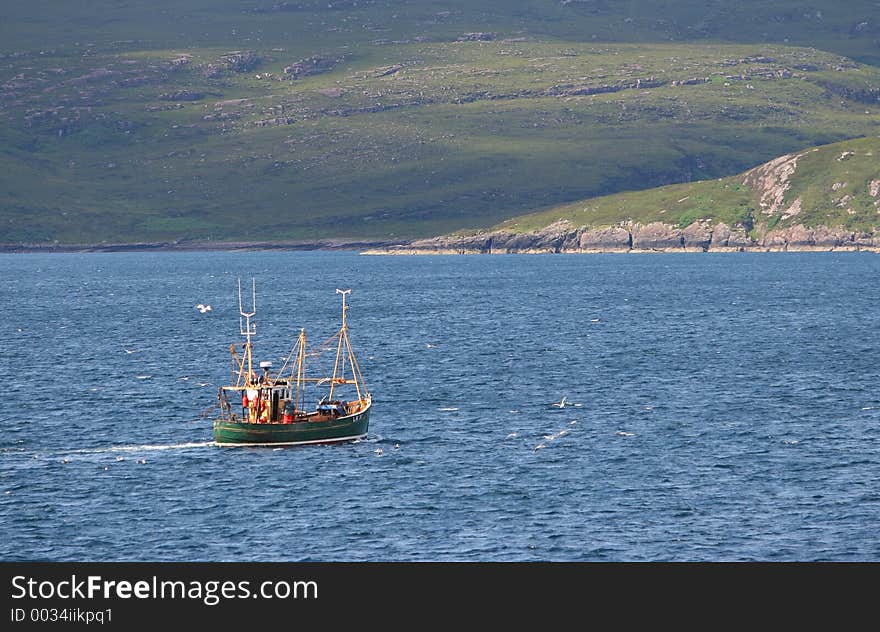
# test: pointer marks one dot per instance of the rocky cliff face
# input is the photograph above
(702, 236)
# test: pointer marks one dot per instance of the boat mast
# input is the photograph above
(300, 369)
(344, 342)
(339, 346)
(341, 335)
(247, 329)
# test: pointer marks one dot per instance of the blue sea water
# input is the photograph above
(718, 407)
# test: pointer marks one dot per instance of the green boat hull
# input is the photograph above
(235, 434)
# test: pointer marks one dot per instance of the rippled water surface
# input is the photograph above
(717, 407)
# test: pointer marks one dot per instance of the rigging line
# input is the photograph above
(325, 346)
(238, 362)
(353, 363)
(208, 411)
(286, 360)
(361, 379)
(336, 366)
(321, 349)
(319, 364)
(342, 372)
(356, 368)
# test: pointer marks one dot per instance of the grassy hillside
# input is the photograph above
(221, 120)
(851, 29)
(832, 185)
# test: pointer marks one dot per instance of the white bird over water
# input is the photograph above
(203, 308)
(560, 404)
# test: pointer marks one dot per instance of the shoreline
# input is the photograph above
(414, 252)
(563, 236)
(396, 250)
(206, 246)
(560, 237)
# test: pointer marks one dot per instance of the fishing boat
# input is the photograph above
(259, 408)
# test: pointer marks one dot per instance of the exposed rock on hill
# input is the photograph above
(314, 65)
(476, 37)
(771, 180)
(181, 95)
(235, 61)
(633, 237)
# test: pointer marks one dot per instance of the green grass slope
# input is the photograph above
(221, 120)
(836, 185)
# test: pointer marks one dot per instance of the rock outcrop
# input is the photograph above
(821, 238)
(314, 65)
(702, 236)
(656, 236)
(476, 37)
(613, 238)
(235, 61)
(181, 95)
(771, 180)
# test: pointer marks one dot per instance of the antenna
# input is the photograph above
(344, 306)
(247, 328)
(245, 325)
